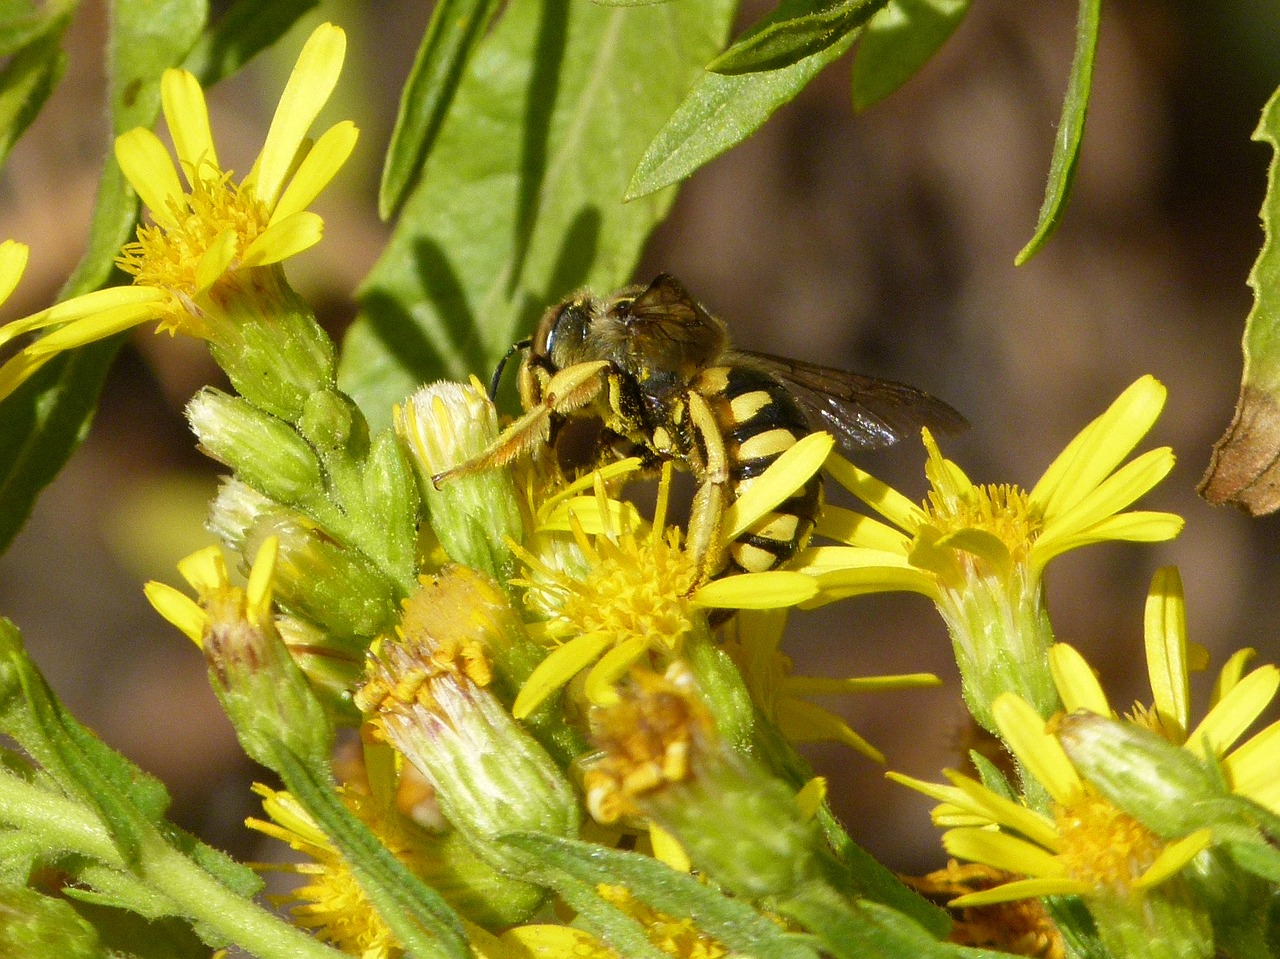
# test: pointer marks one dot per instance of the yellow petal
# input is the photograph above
(216, 259)
(791, 470)
(187, 115)
(560, 666)
(1232, 671)
(1234, 713)
(205, 569)
(617, 515)
(1077, 684)
(846, 526)
(1165, 629)
(804, 722)
(1252, 768)
(99, 326)
(1007, 813)
(321, 164)
(1003, 851)
(178, 608)
(283, 239)
(19, 369)
(841, 584)
(667, 848)
(881, 497)
(13, 263)
(769, 590)
(1173, 858)
(1022, 889)
(1022, 729)
(1099, 448)
(258, 592)
(147, 166)
(308, 89)
(612, 666)
(1135, 526)
(811, 797)
(821, 686)
(816, 560)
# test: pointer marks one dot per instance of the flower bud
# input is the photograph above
(265, 452)
(663, 758)
(473, 514)
(1165, 787)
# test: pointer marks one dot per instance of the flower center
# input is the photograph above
(1003, 511)
(1102, 845)
(170, 258)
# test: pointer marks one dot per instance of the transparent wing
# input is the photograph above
(860, 411)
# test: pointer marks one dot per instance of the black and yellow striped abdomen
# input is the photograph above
(759, 420)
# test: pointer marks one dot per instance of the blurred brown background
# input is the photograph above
(882, 242)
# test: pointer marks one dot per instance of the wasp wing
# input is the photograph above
(860, 411)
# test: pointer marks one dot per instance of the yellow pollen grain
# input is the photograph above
(1103, 845)
(169, 258)
(1002, 510)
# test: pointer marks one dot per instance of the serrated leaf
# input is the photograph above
(731, 922)
(520, 201)
(240, 34)
(720, 112)
(794, 30)
(26, 82)
(456, 27)
(1066, 145)
(1245, 468)
(897, 42)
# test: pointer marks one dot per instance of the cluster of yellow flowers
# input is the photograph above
(524, 656)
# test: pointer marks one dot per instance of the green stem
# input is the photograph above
(193, 892)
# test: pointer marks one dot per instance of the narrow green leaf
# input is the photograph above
(456, 28)
(730, 921)
(898, 41)
(26, 82)
(240, 34)
(423, 922)
(1245, 468)
(794, 30)
(1066, 146)
(520, 201)
(45, 420)
(720, 112)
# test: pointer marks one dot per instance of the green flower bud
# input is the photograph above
(391, 499)
(235, 509)
(1168, 789)
(267, 340)
(444, 426)
(663, 758)
(323, 581)
(334, 425)
(427, 690)
(265, 451)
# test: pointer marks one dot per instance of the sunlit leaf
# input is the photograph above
(897, 42)
(794, 30)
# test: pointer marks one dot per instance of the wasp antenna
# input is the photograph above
(497, 374)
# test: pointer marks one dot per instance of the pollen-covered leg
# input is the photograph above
(570, 389)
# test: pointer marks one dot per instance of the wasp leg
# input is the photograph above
(570, 389)
(706, 518)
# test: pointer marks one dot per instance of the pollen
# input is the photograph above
(1002, 510)
(1102, 845)
(169, 258)
(639, 589)
(675, 937)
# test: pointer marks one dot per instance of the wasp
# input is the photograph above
(657, 371)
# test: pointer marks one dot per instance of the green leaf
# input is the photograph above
(240, 34)
(44, 421)
(794, 30)
(23, 22)
(456, 28)
(26, 82)
(520, 201)
(720, 112)
(898, 41)
(1066, 145)
(730, 921)
(40, 927)
(1245, 468)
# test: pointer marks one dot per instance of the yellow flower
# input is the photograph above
(979, 552)
(752, 642)
(1084, 846)
(330, 900)
(218, 600)
(206, 239)
(1238, 698)
(621, 591)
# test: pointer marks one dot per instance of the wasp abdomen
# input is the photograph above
(759, 422)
